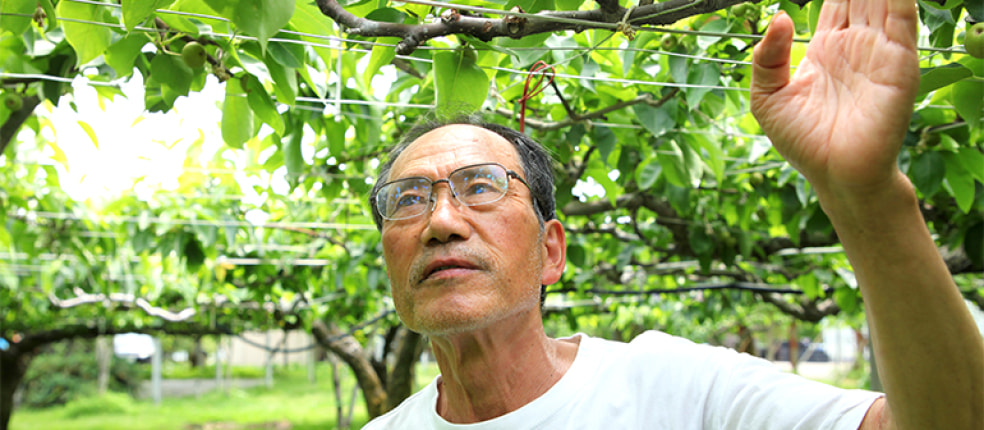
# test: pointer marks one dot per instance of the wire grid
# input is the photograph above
(338, 44)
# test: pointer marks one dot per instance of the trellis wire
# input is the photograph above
(196, 222)
(436, 4)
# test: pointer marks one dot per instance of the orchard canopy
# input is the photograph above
(678, 210)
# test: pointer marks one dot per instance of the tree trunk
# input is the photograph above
(104, 356)
(197, 354)
(794, 345)
(401, 378)
(336, 384)
(13, 366)
(352, 353)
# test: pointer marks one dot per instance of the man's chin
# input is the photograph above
(447, 323)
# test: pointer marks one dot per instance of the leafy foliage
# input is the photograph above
(665, 181)
(67, 372)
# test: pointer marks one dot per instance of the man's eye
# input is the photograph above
(408, 200)
(479, 188)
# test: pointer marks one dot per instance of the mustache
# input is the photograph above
(418, 270)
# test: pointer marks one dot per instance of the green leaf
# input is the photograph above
(90, 132)
(939, 77)
(259, 18)
(800, 16)
(681, 164)
(700, 241)
(927, 172)
(847, 299)
(180, 22)
(381, 56)
(605, 140)
(293, 159)
(524, 58)
(460, 84)
(16, 24)
(172, 73)
(192, 251)
(531, 6)
(335, 135)
(814, 16)
(973, 161)
(284, 80)
(237, 118)
(387, 14)
(656, 120)
(670, 158)
(122, 54)
(136, 12)
(308, 19)
(262, 105)
(702, 75)
(968, 100)
(88, 40)
(714, 158)
(287, 53)
(678, 68)
(975, 9)
(576, 254)
(647, 173)
(959, 182)
(934, 18)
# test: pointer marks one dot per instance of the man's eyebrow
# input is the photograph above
(405, 175)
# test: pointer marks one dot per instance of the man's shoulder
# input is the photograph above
(411, 413)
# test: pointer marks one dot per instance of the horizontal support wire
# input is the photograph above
(193, 222)
(411, 58)
(448, 6)
(742, 286)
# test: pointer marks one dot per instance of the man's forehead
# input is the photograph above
(454, 146)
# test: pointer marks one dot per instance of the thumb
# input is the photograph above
(770, 59)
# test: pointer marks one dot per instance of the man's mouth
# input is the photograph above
(439, 269)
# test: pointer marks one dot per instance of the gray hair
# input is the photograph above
(534, 157)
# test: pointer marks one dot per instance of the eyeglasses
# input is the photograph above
(473, 185)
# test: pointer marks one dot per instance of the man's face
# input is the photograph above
(458, 268)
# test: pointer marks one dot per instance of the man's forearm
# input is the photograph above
(929, 352)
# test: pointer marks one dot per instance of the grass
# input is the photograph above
(293, 398)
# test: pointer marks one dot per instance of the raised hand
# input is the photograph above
(841, 119)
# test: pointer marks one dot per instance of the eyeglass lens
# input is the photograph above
(471, 185)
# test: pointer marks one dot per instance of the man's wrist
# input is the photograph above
(865, 207)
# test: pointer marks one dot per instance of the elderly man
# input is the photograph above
(469, 236)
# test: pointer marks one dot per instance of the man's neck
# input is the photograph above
(496, 370)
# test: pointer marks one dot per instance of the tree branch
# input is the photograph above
(576, 118)
(517, 25)
(16, 119)
(807, 310)
(82, 298)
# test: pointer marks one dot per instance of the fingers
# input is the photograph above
(834, 15)
(902, 22)
(770, 59)
(899, 18)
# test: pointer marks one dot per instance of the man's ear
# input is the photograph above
(554, 252)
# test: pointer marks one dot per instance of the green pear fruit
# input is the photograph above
(13, 101)
(194, 55)
(974, 40)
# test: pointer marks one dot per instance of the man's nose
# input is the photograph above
(444, 222)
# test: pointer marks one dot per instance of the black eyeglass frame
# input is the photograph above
(431, 198)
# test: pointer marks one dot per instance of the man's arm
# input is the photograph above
(841, 121)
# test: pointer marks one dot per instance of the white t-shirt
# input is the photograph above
(659, 381)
